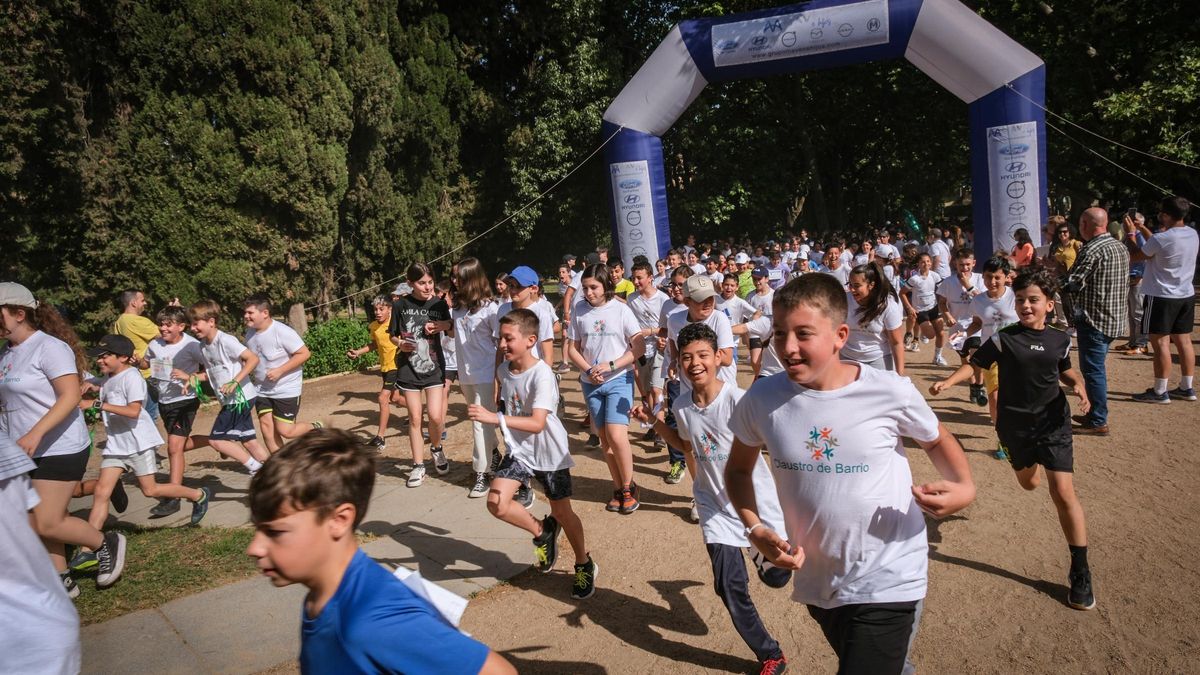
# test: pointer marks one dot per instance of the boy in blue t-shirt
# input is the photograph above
(357, 618)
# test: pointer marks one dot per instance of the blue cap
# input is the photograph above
(524, 276)
(760, 271)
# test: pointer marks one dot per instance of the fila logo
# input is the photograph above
(1037, 348)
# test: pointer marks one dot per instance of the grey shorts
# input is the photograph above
(144, 463)
(556, 484)
(649, 373)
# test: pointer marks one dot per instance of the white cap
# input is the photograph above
(402, 289)
(741, 259)
(12, 293)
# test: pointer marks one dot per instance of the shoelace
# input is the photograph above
(542, 554)
(103, 555)
(770, 666)
(582, 577)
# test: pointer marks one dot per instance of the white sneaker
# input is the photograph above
(695, 515)
(480, 488)
(939, 360)
(440, 462)
(924, 339)
(416, 476)
(913, 346)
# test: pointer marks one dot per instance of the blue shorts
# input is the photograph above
(609, 403)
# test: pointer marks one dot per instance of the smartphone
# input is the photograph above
(1131, 212)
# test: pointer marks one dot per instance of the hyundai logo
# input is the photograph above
(631, 199)
(1014, 167)
(761, 40)
(629, 184)
(1014, 149)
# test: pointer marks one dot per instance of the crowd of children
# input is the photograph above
(806, 468)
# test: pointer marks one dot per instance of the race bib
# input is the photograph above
(160, 369)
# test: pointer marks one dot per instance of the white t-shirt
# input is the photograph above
(761, 303)
(870, 342)
(885, 252)
(273, 347)
(737, 309)
(923, 291)
(603, 333)
(844, 482)
(707, 429)
(939, 250)
(646, 311)
(718, 278)
(127, 436)
(1169, 273)
(522, 393)
(816, 257)
(996, 314)
(763, 329)
(725, 340)
(222, 360)
(163, 357)
(861, 259)
(842, 274)
(475, 344)
(958, 299)
(546, 319)
(847, 257)
(449, 352)
(697, 268)
(27, 394)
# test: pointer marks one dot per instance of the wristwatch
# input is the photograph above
(96, 404)
(612, 365)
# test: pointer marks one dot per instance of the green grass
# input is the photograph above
(162, 564)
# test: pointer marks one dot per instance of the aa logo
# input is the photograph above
(821, 443)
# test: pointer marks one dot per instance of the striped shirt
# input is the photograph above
(1100, 279)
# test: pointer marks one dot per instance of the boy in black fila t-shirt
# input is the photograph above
(1034, 418)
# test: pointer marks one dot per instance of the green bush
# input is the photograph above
(329, 343)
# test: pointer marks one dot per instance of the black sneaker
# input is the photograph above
(649, 435)
(200, 506)
(496, 459)
(545, 547)
(376, 442)
(524, 496)
(593, 441)
(585, 580)
(69, 584)
(119, 499)
(1081, 596)
(480, 487)
(440, 463)
(165, 507)
(110, 559)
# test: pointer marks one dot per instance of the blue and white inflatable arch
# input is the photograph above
(945, 39)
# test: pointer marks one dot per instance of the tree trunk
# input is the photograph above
(298, 318)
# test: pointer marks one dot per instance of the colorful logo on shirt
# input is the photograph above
(598, 326)
(515, 407)
(821, 443)
(708, 450)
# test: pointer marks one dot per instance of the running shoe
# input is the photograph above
(439, 460)
(69, 584)
(496, 459)
(416, 476)
(82, 561)
(585, 579)
(110, 559)
(200, 506)
(545, 547)
(614, 504)
(480, 487)
(924, 340)
(1081, 596)
(693, 513)
(1151, 396)
(649, 435)
(675, 474)
(913, 347)
(119, 498)
(1181, 394)
(563, 367)
(593, 441)
(524, 496)
(1001, 453)
(376, 442)
(317, 425)
(629, 500)
(939, 360)
(978, 395)
(165, 507)
(773, 666)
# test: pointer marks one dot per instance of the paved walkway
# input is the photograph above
(250, 625)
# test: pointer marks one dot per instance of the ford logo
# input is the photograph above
(1014, 149)
(727, 45)
(629, 184)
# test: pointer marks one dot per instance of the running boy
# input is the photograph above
(992, 310)
(954, 300)
(306, 504)
(1034, 418)
(537, 448)
(131, 441)
(855, 530)
(227, 369)
(381, 341)
(281, 355)
(703, 420)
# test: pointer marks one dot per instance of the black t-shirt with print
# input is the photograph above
(423, 367)
(1030, 362)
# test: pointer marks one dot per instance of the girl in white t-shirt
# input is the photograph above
(876, 321)
(40, 390)
(602, 330)
(472, 314)
(920, 303)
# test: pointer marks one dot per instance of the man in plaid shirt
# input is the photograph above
(1098, 284)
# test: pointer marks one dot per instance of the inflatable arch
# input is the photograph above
(1002, 82)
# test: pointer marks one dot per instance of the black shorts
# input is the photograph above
(929, 315)
(391, 379)
(969, 345)
(1038, 439)
(178, 416)
(66, 468)
(756, 343)
(1168, 316)
(234, 423)
(282, 409)
(556, 484)
(868, 638)
(451, 376)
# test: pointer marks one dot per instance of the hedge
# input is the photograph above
(329, 342)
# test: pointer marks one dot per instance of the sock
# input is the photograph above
(937, 351)
(252, 464)
(1160, 385)
(1078, 558)
(1185, 382)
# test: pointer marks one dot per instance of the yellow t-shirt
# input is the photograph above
(1065, 255)
(384, 346)
(624, 288)
(140, 332)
